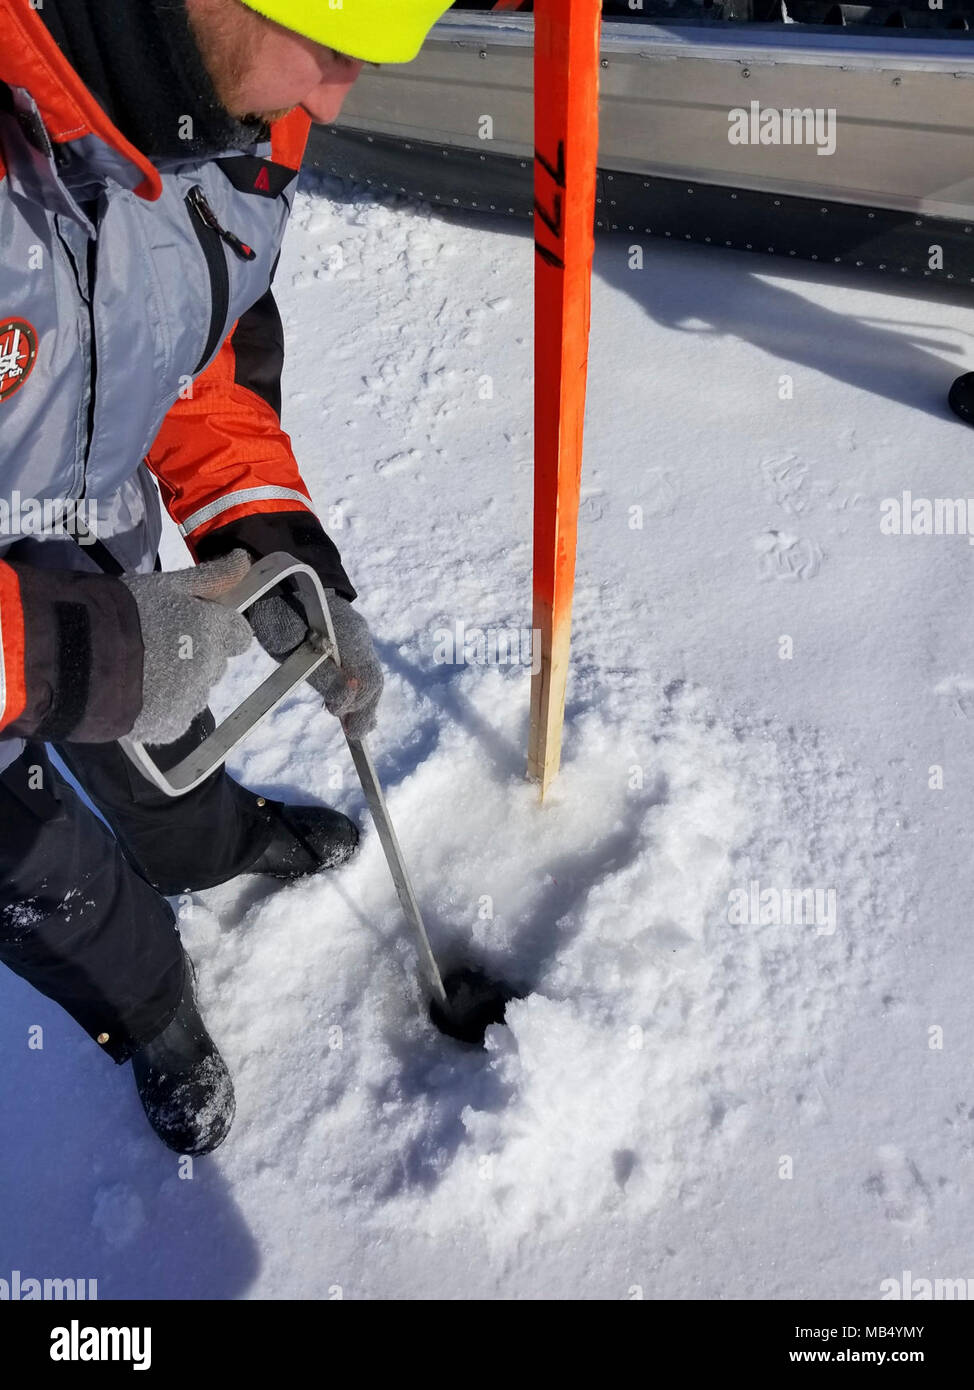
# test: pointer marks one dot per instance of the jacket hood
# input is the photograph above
(30, 59)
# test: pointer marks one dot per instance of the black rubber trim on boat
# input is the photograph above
(885, 240)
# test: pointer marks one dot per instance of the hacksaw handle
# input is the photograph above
(320, 645)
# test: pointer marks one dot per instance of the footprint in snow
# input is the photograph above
(902, 1190)
(784, 481)
(783, 556)
(399, 463)
(661, 492)
(958, 691)
(118, 1214)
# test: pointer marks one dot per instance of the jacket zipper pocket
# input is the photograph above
(212, 238)
(86, 292)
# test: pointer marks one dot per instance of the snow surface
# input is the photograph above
(626, 1133)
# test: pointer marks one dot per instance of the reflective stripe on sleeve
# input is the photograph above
(241, 499)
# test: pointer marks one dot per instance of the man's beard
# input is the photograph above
(226, 49)
(267, 117)
(227, 52)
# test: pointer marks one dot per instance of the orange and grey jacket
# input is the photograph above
(137, 332)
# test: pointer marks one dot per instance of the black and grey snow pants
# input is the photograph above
(83, 911)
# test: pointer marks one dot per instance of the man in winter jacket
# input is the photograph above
(148, 161)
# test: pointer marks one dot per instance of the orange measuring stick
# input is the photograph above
(566, 130)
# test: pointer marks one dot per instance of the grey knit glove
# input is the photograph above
(188, 640)
(351, 692)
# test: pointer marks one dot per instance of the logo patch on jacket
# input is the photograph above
(18, 353)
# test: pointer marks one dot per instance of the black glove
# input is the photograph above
(352, 693)
(297, 533)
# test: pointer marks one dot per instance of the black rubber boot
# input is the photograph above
(183, 1082)
(306, 839)
(961, 398)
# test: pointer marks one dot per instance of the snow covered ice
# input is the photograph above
(632, 1130)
